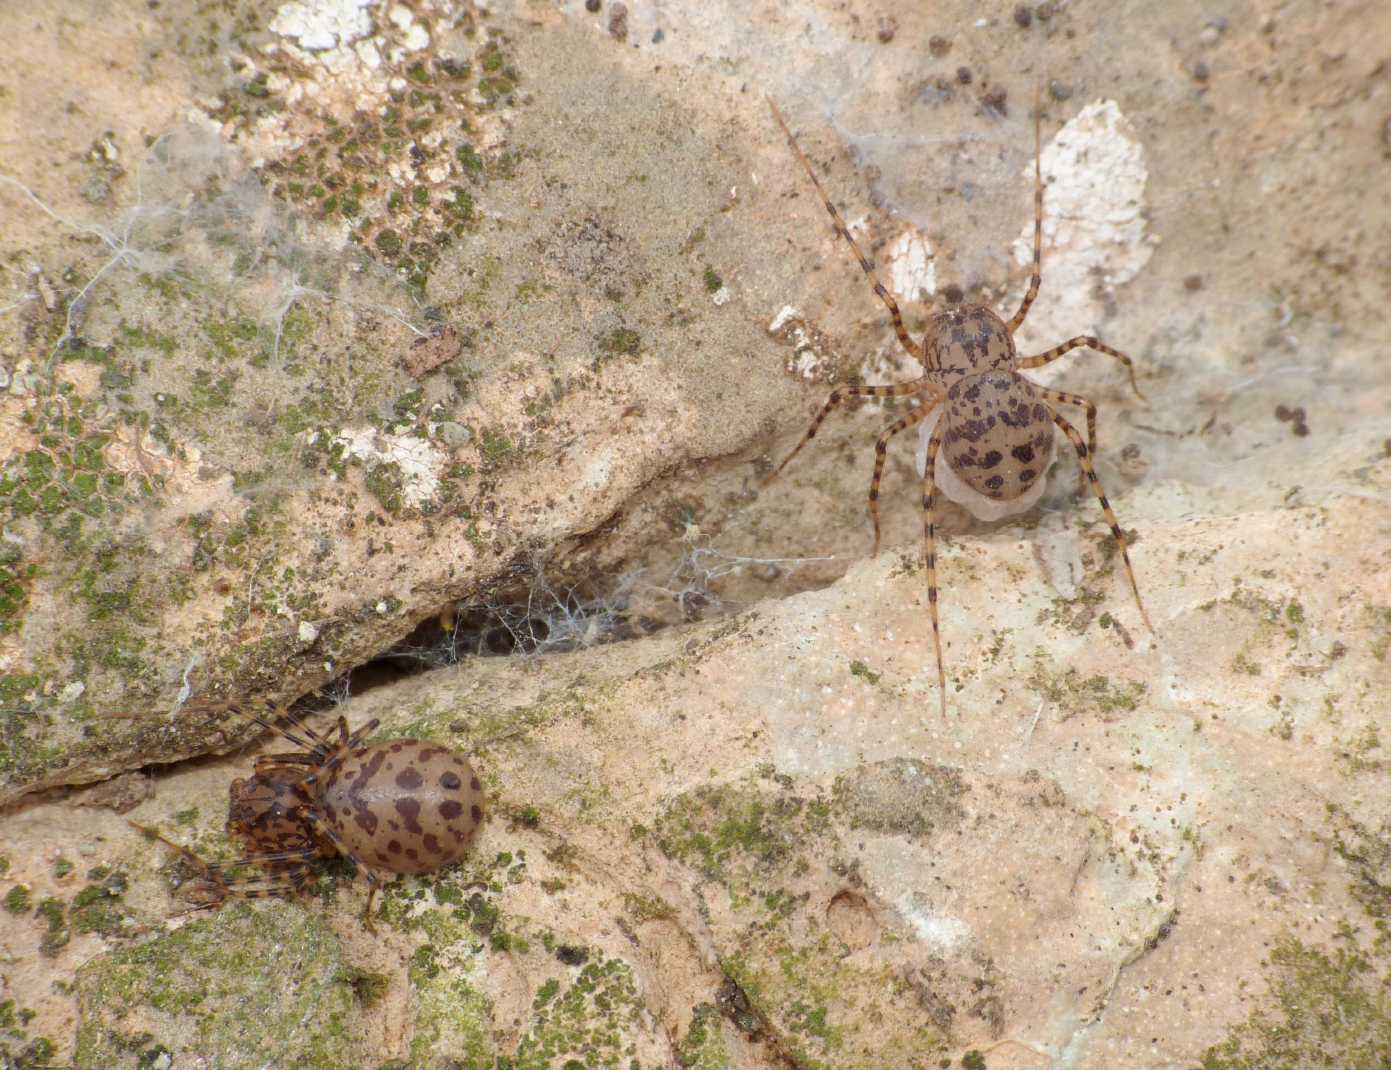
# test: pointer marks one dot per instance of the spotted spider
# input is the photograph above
(993, 426)
(401, 806)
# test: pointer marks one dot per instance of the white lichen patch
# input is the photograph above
(1093, 221)
(940, 931)
(419, 461)
(317, 25)
(346, 56)
(811, 358)
(912, 268)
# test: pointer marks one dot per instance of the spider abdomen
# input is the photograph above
(999, 434)
(404, 806)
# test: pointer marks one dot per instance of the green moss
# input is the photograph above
(97, 907)
(241, 989)
(497, 449)
(18, 900)
(469, 160)
(718, 830)
(864, 672)
(703, 1047)
(590, 1015)
(713, 282)
(57, 935)
(1328, 1007)
(18, 1051)
(1077, 694)
(388, 243)
(619, 342)
(386, 483)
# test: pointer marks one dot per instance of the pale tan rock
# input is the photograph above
(749, 842)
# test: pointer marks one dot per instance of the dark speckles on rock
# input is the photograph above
(409, 779)
(475, 785)
(476, 812)
(1023, 454)
(991, 459)
(431, 843)
(450, 781)
(450, 809)
(394, 847)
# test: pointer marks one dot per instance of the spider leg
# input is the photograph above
(1085, 458)
(1037, 274)
(838, 224)
(215, 886)
(268, 762)
(373, 880)
(1090, 342)
(915, 416)
(934, 443)
(1075, 399)
(316, 747)
(839, 394)
(355, 740)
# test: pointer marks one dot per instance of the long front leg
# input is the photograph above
(1091, 342)
(839, 394)
(838, 225)
(1037, 274)
(934, 443)
(881, 448)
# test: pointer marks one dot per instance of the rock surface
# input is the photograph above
(749, 841)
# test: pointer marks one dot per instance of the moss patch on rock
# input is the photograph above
(244, 988)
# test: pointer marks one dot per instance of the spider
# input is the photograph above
(993, 422)
(401, 806)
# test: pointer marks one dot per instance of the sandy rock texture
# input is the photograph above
(349, 336)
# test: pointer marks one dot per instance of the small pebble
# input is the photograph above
(1058, 91)
(1200, 71)
(1282, 413)
(1193, 282)
(963, 75)
(591, 5)
(888, 27)
(938, 46)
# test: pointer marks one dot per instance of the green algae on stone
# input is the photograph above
(1330, 1007)
(19, 1051)
(762, 841)
(593, 1013)
(901, 795)
(740, 829)
(704, 1046)
(243, 988)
